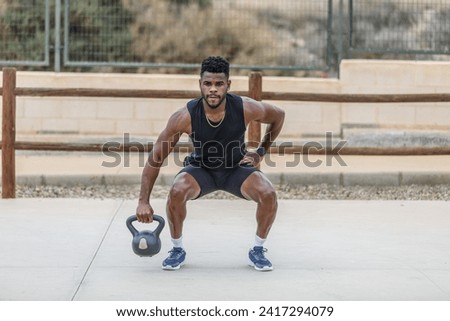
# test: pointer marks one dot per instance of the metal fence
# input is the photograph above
(279, 35)
(25, 33)
(272, 35)
(400, 26)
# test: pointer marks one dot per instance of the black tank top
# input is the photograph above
(222, 146)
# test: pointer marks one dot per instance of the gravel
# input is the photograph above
(308, 192)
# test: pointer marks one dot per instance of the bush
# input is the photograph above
(22, 31)
(162, 35)
(99, 32)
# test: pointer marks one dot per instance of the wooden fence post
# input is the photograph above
(255, 92)
(9, 133)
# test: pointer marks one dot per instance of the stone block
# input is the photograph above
(311, 178)
(60, 125)
(36, 107)
(359, 113)
(78, 108)
(425, 178)
(28, 125)
(396, 114)
(433, 114)
(160, 109)
(118, 108)
(97, 126)
(371, 179)
(134, 127)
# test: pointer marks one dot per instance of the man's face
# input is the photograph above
(214, 88)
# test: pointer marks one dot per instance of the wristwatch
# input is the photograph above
(261, 151)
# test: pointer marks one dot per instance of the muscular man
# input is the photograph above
(216, 123)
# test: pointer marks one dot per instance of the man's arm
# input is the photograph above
(176, 126)
(267, 114)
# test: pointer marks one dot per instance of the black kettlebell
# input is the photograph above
(146, 243)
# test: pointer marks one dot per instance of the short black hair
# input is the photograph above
(217, 65)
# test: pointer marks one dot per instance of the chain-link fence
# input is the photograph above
(174, 35)
(282, 34)
(24, 32)
(278, 35)
(400, 26)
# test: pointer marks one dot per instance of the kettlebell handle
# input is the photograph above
(157, 218)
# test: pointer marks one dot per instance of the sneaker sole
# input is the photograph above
(263, 269)
(172, 268)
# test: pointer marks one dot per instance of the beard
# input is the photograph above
(213, 106)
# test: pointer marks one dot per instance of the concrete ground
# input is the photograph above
(80, 249)
(74, 249)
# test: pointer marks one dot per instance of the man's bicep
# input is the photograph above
(167, 139)
(263, 112)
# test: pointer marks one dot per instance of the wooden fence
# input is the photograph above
(9, 92)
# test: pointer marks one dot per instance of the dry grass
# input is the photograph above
(245, 32)
(163, 35)
(272, 33)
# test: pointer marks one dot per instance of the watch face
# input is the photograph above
(261, 151)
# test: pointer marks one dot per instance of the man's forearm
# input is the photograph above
(272, 132)
(149, 175)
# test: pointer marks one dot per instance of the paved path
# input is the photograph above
(74, 249)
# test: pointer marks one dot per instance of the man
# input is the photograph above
(216, 124)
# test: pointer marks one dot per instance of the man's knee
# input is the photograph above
(177, 193)
(268, 196)
(182, 189)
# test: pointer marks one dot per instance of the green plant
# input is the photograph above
(99, 31)
(22, 31)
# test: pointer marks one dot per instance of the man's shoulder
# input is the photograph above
(249, 103)
(180, 120)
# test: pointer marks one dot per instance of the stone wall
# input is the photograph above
(147, 117)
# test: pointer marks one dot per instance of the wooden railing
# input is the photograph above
(9, 92)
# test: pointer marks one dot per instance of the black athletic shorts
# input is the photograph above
(227, 179)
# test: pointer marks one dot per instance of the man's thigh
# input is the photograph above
(237, 177)
(204, 180)
(256, 185)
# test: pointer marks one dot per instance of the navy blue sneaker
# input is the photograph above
(175, 260)
(258, 260)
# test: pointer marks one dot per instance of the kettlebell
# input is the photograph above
(146, 243)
